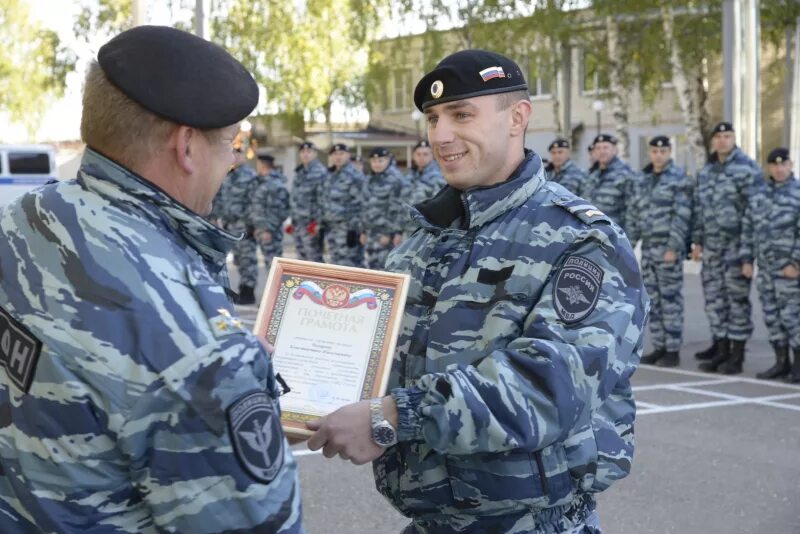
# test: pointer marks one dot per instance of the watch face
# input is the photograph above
(383, 435)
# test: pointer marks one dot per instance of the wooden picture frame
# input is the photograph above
(334, 331)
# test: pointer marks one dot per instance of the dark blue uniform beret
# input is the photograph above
(660, 141)
(722, 127)
(558, 143)
(605, 138)
(779, 155)
(307, 144)
(467, 74)
(338, 146)
(179, 76)
(422, 144)
(379, 152)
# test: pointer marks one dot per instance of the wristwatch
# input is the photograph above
(383, 433)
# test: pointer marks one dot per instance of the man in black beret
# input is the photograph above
(341, 207)
(116, 287)
(306, 210)
(720, 198)
(269, 208)
(561, 168)
(383, 211)
(503, 416)
(611, 182)
(771, 237)
(663, 205)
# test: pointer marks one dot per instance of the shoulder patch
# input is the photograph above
(19, 351)
(254, 423)
(577, 289)
(584, 211)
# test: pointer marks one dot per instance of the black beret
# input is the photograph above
(722, 127)
(338, 146)
(422, 144)
(467, 74)
(590, 147)
(179, 76)
(660, 141)
(267, 158)
(605, 138)
(779, 155)
(307, 144)
(355, 157)
(379, 152)
(559, 143)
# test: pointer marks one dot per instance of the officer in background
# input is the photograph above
(561, 169)
(771, 236)
(511, 403)
(425, 178)
(664, 208)
(309, 178)
(358, 162)
(611, 182)
(157, 406)
(592, 159)
(236, 196)
(720, 200)
(383, 211)
(270, 208)
(341, 207)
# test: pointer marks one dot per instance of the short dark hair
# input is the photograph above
(506, 99)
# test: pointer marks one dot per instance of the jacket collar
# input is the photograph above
(107, 178)
(666, 170)
(714, 158)
(479, 205)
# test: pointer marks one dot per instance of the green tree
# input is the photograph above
(33, 65)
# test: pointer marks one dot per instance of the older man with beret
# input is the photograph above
(133, 399)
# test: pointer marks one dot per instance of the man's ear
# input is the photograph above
(521, 112)
(184, 144)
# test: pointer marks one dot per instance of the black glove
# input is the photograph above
(352, 238)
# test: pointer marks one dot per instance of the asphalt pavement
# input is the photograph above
(714, 453)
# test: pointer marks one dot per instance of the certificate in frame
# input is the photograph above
(334, 330)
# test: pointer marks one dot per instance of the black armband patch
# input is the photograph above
(19, 351)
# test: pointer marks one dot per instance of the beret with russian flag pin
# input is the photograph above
(467, 74)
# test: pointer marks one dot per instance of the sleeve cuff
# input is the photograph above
(408, 420)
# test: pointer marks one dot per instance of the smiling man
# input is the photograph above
(511, 404)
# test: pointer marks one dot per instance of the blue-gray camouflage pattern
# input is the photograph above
(235, 198)
(341, 205)
(569, 175)
(771, 237)
(611, 190)
(124, 427)
(663, 209)
(305, 207)
(508, 402)
(383, 213)
(720, 198)
(421, 184)
(269, 210)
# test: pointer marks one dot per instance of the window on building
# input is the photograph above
(401, 90)
(541, 82)
(593, 78)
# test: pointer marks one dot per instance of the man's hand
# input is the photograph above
(697, 252)
(790, 271)
(265, 237)
(348, 433)
(670, 256)
(362, 239)
(384, 240)
(747, 270)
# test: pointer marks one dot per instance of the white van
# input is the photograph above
(24, 167)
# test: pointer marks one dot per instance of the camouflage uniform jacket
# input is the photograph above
(341, 197)
(611, 190)
(383, 210)
(720, 199)
(270, 206)
(771, 226)
(136, 416)
(570, 175)
(422, 184)
(305, 192)
(522, 328)
(236, 195)
(662, 209)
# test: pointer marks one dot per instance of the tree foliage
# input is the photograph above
(33, 65)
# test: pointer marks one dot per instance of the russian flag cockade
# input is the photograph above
(492, 72)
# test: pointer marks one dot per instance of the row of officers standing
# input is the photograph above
(358, 214)
(731, 217)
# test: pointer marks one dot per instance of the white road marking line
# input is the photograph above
(771, 383)
(717, 382)
(728, 400)
(647, 405)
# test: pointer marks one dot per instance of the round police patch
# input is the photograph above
(255, 429)
(577, 288)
